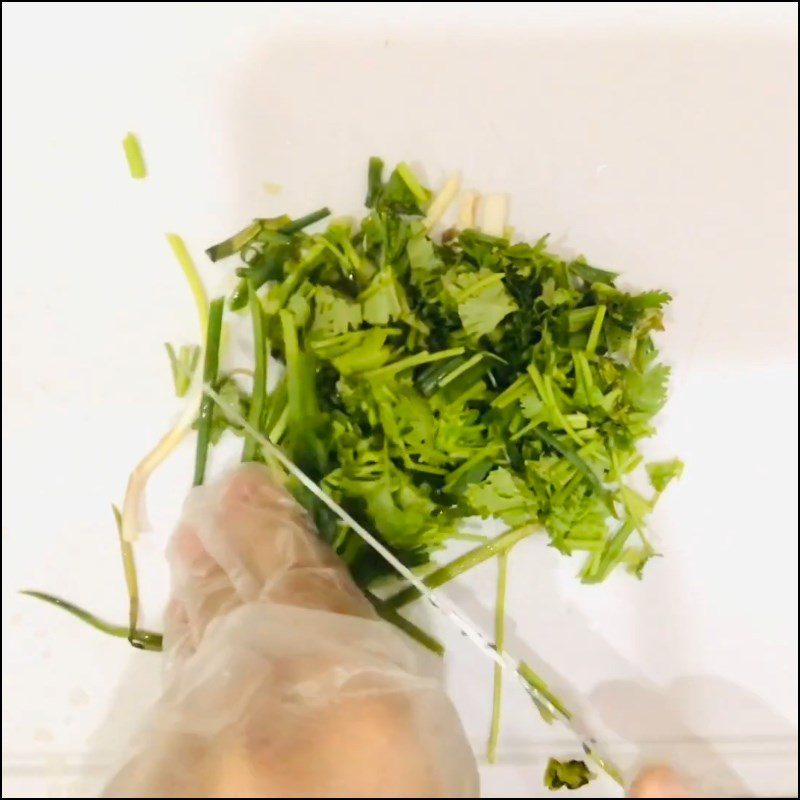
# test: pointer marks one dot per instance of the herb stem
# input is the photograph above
(413, 361)
(131, 581)
(235, 243)
(134, 156)
(500, 544)
(192, 277)
(303, 222)
(414, 631)
(210, 370)
(141, 639)
(374, 181)
(499, 643)
(594, 333)
(256, 412)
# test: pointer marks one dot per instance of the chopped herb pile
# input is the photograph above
(428, 381)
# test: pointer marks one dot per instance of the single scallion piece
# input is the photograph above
(235, 243)
(142, 640)
(295, 226)
(210, 370)
(374, 181)
(255, 414)
(414, 631)
(500, 544)
(134, 156)
(192, 277)
(131, 580)
(499, 643)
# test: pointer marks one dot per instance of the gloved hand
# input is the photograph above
(280, 679)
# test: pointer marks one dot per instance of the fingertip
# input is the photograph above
(660, 781)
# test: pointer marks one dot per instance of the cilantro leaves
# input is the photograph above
(427, 381)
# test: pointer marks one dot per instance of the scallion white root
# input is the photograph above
(133, 507)
(466, 211)
(495, 211)
(442, 201)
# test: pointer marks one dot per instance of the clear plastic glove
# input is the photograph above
(280, 679)
(661, 781)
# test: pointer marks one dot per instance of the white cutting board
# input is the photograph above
(658, 141)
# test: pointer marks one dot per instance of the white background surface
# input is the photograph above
(658, 141)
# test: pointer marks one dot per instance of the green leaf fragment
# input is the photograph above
(571, 774)
(235, 243)
(662, 473)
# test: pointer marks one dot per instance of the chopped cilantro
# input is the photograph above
(566, 774)
(427, 381)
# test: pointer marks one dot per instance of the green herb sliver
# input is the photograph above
(499, 643)
(134, 156)
(210, 373)
(141, 639)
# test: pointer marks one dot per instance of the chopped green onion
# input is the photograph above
(131, 581)
(303, 222)
(499, 643)
(405, 625)
(133, 154)
(192, 276)
(257, 400)
(374, 181)
(457, 566)
(235, 243)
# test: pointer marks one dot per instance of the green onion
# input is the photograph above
(457, 566)
(594, 334)
(210, 370)
(131, 581)
(255, 413)
(133, 154)
(527, 673)
(414, 361)
(374, 181)
(499, 643)
(421, 195)
(416, 633)
(192, 276)
(141, 639)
